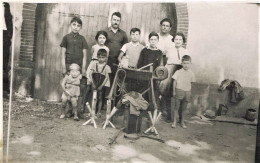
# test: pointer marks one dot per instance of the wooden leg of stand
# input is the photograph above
(154, 117)
(109, 114)
(92, 118)
(88, 121)
(94, 101)
(158, 117)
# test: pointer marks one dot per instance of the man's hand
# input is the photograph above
(84, 73)
(174, 94)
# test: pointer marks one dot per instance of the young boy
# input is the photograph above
(151, 55)
(130, 52)
(74, 47)
(183, 79)
(102, 68)
(71, 90)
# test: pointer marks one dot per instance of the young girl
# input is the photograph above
(100, 67)
(101, 38)
(71, 90)
(173, 64)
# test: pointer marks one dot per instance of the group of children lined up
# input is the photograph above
(132, 54)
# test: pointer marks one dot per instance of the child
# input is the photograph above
(151, 55)
(100, 38)
(183, 79)
(130, 52)
(74, 47)
(71, 90)
(100, 67)
(173, 64)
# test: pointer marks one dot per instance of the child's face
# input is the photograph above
(74, 73)
(186, 65)
(135, 36)
(153, 41)
(101, 39)
(75, 27)
(102, 59)
(178, 41)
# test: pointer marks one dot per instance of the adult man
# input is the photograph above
(165, 38)
(164, 44)
(116, 39)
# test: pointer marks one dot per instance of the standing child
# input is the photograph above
(130, 52)
(74, 50)
(151, 55)
(173, 56)
(71, 90)
(100, 67)
(100, 38)
(74, 47)
(183, 79)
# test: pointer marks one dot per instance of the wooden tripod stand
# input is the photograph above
(92, 110)
(141, 75)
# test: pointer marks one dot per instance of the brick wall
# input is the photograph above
(182, 18)
(24, 68)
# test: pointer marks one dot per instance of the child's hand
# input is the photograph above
(67, 93)
(164, 52)
(93, 86)
(99, 88)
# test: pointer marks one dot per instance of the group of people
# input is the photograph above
(112, 48)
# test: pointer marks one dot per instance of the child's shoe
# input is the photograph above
(183, 125)
(62, 116)
(174, 125)
(98, 115)
(76, 118)
(69, 114)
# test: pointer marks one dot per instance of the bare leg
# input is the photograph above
(184, 106)
(100, 103)
(86, 97)
(64, 104)
(175, 112)
(74, 102)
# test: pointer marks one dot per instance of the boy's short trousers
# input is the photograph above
(183, 95)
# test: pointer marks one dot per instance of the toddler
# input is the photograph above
(71, 90)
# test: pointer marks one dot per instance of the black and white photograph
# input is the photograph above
(130, 81)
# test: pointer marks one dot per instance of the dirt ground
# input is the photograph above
(38, 135)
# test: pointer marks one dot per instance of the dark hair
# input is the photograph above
(104, 33)
(166, 20)
(179, 34)
(76, 19)
(153, 34)
(135, 30)
(102, 52)
(186, 58)
(118, 14)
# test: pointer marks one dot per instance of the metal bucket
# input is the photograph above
(250, 114)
